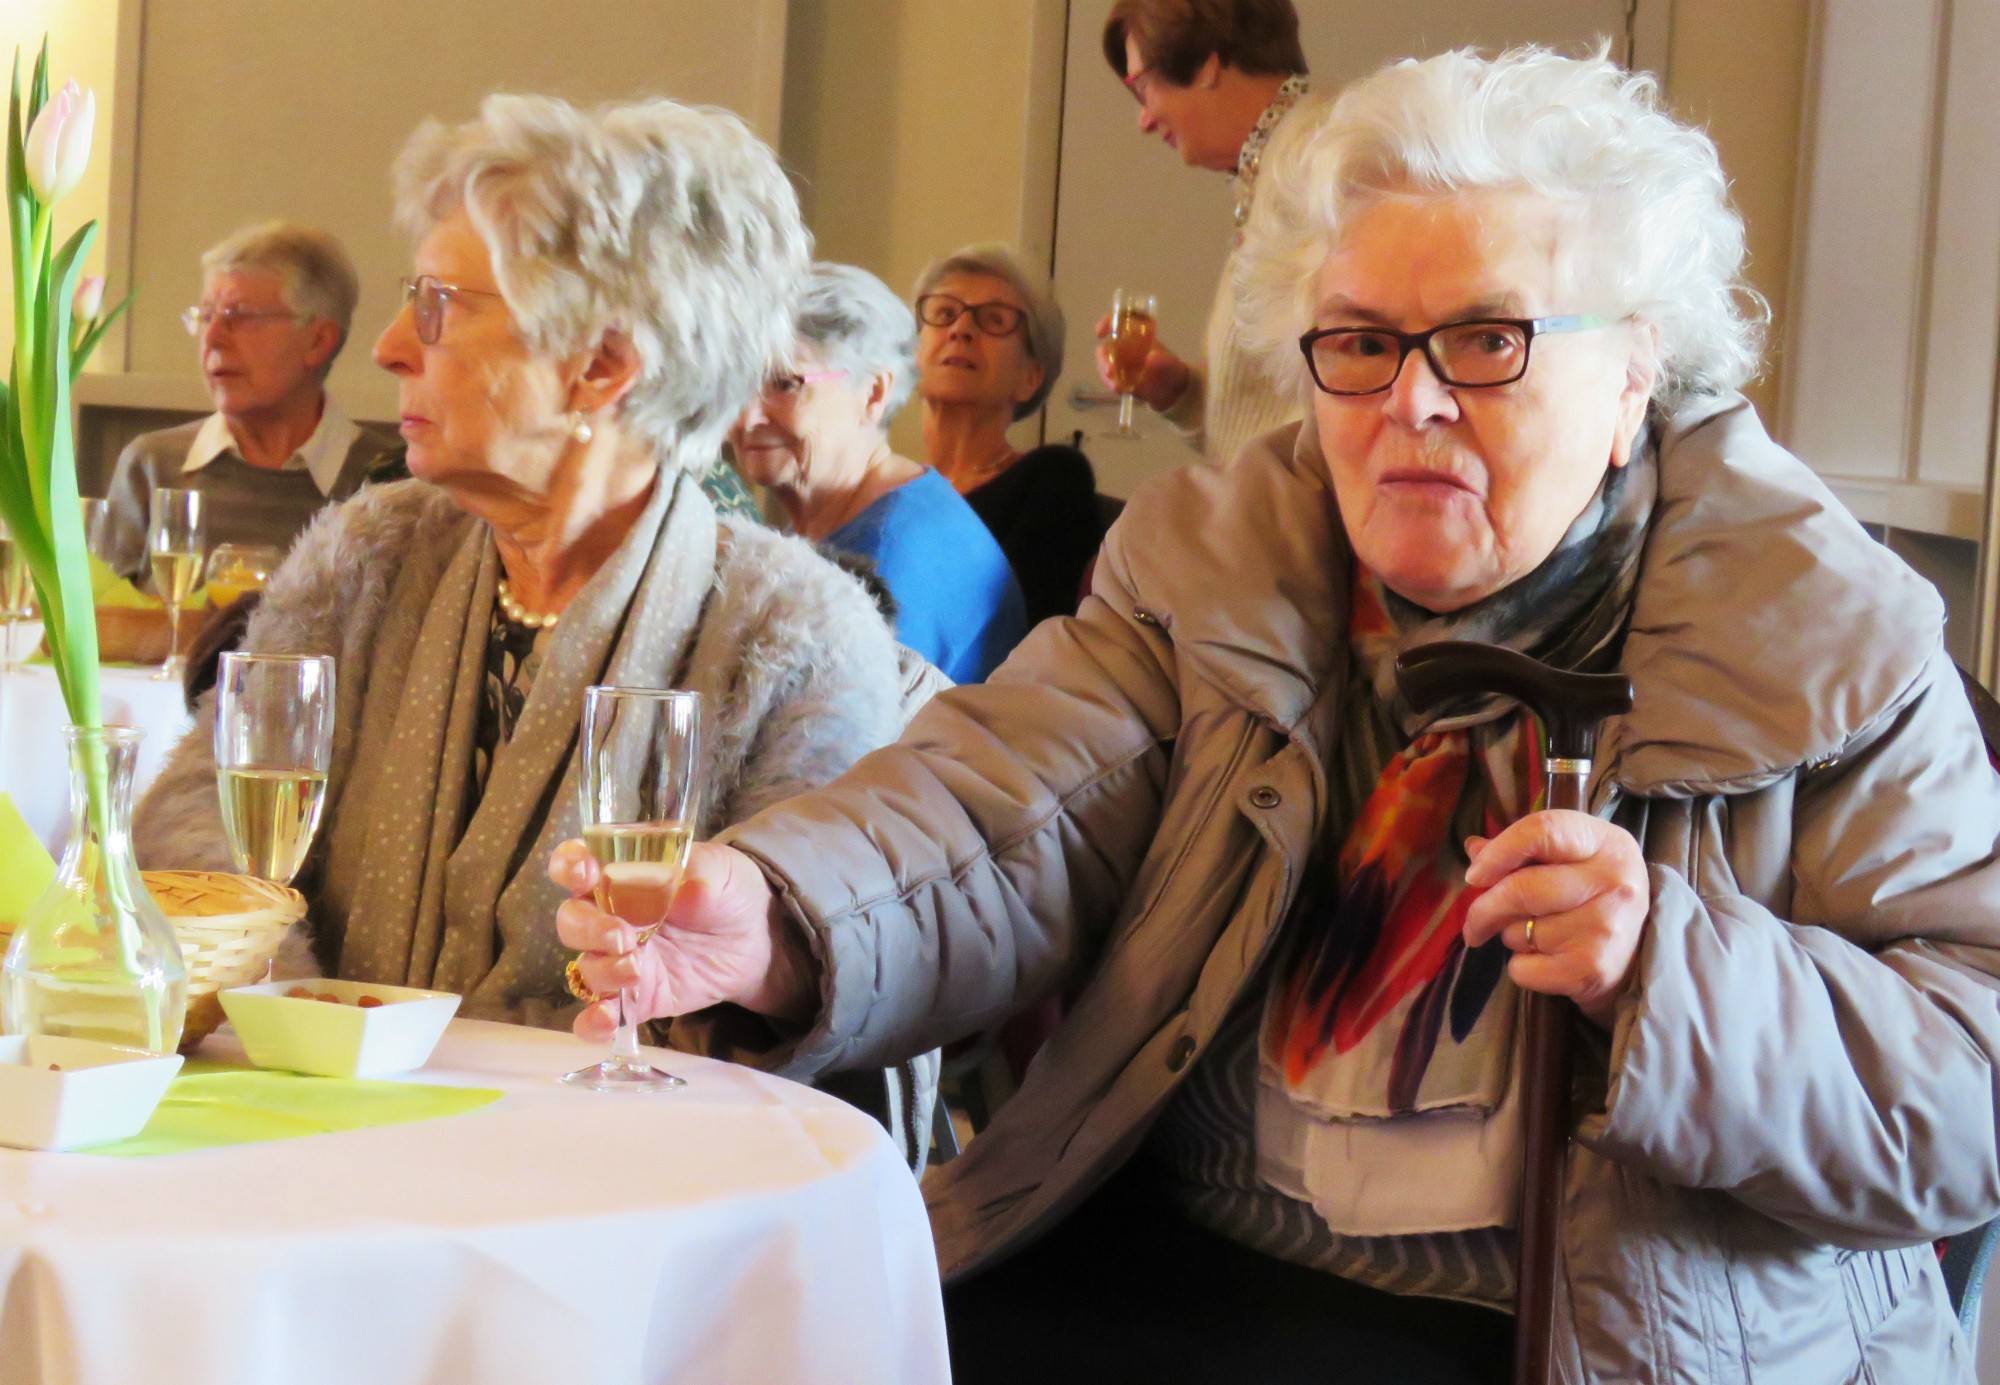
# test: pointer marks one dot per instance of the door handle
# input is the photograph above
(1082, 396)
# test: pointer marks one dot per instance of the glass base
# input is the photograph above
(622, 1075)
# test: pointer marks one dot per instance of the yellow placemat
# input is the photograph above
(211, 1104)
(25, 867)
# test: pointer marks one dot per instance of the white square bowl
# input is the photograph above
(58, 1093)
(344, 1040)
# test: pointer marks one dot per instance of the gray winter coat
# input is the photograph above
(1799, 1094)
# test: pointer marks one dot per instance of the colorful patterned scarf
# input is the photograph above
(1380, 1009)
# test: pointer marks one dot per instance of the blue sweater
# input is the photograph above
(959, 605)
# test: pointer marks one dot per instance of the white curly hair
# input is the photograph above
(671, 224)
(857, 324)
(1653, 235)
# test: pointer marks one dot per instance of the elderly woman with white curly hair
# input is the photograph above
(596, 295)
(1278, 1135)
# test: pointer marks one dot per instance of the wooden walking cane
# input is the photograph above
(1569, 707)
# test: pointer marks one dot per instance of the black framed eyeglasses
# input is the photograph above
(994, 319)
(426, 296)
(1475, 354)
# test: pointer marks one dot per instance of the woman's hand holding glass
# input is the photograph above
(1161, 381)
(1569, 894)
(724, 940)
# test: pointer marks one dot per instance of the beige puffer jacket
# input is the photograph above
(1800, 1091)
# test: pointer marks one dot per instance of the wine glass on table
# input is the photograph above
(640, 786)
(273, 742)
(1135, 324)
(174, 545)
(17, 594)
(237, 569)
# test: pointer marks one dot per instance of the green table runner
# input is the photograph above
(214, 1104)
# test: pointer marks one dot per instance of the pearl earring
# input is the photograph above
(581, 430)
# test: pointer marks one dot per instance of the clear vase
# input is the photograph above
(94, 957)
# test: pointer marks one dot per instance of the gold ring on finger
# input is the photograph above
(578, 987)
(1528, 937)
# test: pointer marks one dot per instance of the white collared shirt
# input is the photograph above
(322, 455)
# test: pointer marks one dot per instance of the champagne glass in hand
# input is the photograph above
(640, 783)
(17, 594)
(1134, 326)
(174, 543)
(273, 742)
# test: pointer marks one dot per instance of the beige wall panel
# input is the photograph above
(1738, 71)
(251, 109)
(1856, 353)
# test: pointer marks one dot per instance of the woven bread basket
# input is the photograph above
(229, 928)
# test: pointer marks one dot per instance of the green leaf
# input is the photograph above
(94, 335)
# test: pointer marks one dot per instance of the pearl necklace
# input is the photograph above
(521, 615)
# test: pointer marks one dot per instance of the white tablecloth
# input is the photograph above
(34, 763)
(742, 1229)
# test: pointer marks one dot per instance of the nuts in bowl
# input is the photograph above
(338, 1028)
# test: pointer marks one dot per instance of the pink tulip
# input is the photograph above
(58, 143)
(89, 300)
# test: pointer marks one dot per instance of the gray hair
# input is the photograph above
(671, 224)
(1045, 315)
(315, 276)
(1654, 235)
(858, 325)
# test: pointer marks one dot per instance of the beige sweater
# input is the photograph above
(1229, 400)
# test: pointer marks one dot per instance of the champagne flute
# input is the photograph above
(97, 534)
(174, 542)
(273, 742)
(1134, 325)
(640, 785)
(17, 594)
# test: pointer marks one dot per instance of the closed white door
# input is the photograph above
(1128, 212)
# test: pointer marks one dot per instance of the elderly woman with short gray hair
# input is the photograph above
(818, 439)
(596, 295)
(989, 352)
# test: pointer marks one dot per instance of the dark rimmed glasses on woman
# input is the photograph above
(994, 319)
(1475, 354)
(426, 296)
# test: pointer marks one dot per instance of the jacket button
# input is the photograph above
(1183, 1049)
(1264, 796)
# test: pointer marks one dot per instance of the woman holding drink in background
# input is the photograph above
(1213, 79)
(559, 394)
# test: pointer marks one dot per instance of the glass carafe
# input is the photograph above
(94, 958)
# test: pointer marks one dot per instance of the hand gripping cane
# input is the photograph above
(1569, 706)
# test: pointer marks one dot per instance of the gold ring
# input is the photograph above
(573, 978)
(1527, 942)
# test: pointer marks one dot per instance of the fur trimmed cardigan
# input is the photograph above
(801, 673)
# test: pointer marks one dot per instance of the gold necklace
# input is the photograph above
(521, 615)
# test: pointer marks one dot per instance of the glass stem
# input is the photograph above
(173, 633)
(625, 1043)
(1124, 413)
(7, 656)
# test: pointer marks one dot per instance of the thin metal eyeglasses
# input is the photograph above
(426, 296)
(197, 318)
(1478, 353)
(994, 319)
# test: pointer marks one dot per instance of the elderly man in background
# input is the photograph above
(276, 301)
(1214, 79)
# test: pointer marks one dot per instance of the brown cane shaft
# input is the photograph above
(1545, 1099)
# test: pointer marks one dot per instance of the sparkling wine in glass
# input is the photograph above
(174, 544)
(17, 594)
(1135, 323)
(237, 569)
(640, 786)
(273, 742)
